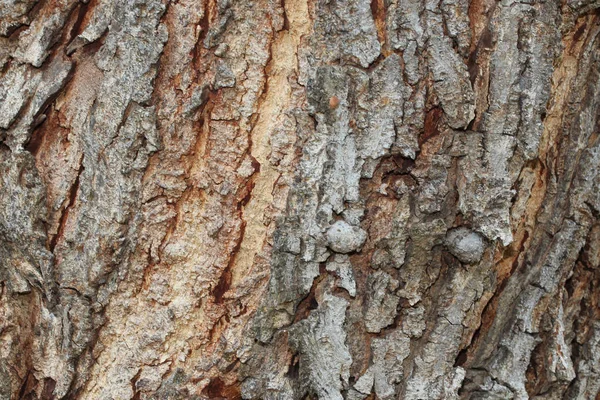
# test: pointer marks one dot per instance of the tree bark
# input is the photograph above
(329, 199)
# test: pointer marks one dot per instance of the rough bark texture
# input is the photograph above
(332, 199)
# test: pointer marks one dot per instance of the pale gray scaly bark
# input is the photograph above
(300, 199)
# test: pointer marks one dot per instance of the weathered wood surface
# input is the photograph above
(394, 199)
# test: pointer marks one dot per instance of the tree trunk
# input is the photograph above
(328, 199)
